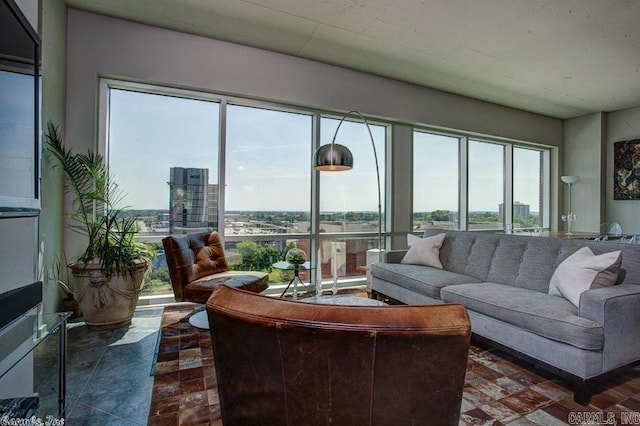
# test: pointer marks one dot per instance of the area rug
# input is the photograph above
(499, 390)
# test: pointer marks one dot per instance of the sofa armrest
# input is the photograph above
(616, 309)
(393, 256)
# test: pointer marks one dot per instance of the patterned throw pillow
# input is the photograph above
(210, 258)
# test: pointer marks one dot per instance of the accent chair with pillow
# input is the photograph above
(197, 265)
(570, 305)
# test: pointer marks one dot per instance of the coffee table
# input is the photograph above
(343, 300)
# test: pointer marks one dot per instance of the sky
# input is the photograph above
(268, 154)
(268, 158)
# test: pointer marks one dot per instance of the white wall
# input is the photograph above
(584, 156)
(588, 152)
(54, 65)
(103, 46)
(621, 126)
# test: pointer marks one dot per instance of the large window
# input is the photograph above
(436, 179)
(163, 152)
(193, 162)
(268, 178)
(462, 183)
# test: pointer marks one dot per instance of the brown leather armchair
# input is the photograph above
(283, 362)
(197, 265)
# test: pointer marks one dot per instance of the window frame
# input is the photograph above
(314, 235)
(508, 173)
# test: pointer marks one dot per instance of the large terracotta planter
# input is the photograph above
(106, 303)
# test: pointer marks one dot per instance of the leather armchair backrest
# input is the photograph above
(192, 256)
(290, 363)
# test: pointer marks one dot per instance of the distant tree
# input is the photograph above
(439, 215)
(256, 257)
(531, 222)
(484, 217)
(250, 252)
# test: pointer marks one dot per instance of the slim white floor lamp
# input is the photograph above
(570, 217)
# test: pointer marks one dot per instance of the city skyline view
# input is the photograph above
(267, 159)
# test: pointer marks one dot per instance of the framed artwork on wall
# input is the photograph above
(626, 170)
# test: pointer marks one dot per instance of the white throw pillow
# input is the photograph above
(584, 270)
(424, 251)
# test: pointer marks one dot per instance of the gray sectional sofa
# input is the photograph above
(503, 281)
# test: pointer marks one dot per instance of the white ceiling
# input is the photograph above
(561, 58)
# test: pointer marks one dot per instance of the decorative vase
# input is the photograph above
(295, 256)
(107, 302)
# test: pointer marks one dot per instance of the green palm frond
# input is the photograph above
(97, 214)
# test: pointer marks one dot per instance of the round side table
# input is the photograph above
(286, 266)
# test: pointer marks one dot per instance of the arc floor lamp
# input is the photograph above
(336, 158)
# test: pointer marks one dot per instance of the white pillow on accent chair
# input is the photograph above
(424, 251)
(584, 270)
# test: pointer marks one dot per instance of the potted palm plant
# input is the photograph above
(109, 274)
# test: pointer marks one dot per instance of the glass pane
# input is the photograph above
(486, 185)
(349, 199)
(435, 181)
(163, 152)
(268, 171)
(270, 256)
(527, 188)
(343, 259)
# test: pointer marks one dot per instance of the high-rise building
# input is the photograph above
(193, 202)
(519, 209)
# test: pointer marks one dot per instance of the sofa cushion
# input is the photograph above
(548, 316)
(421, 279)
(424, 251)
(584, 270)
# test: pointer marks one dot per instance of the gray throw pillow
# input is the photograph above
(424, 251)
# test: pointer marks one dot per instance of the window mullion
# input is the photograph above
(315, 191)
(222, 149)
(463, 192)
(507, 220)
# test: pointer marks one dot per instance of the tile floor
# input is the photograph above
(109, 373)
